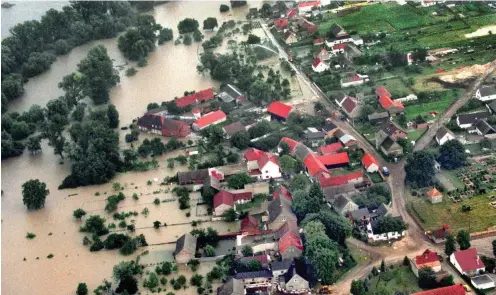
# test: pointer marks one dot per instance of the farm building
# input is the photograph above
(279, 111)
(209, 120)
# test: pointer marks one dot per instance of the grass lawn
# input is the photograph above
(414, 135)
(423, 109)
(451, 176)
(255, 202)
(396, 87)
(480, 218)
(360, 256)
(401, 278)
(376, 177)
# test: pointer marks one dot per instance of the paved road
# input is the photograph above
(444, 118)
(414, 243)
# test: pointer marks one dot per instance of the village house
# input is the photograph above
(353, 79)
(374, 236)
(385, 100)
(314, 136)
(281, 192)
(260, 280)
(233, 128)
(351, 51)
(486, 92)
(280, 211)
(306, 27)
(185, 249)
(332, 192)
(389, 129)
(279, 268)
(343, 205)
(290, 142)
(378, 118)
(323, 54)
(338, 48)
(224, 200)
(249, 224)
(483, 128)
(231, 94)
(466, 121)
(295, 281)
(391, 148)
(305, 7)
(434, 196)
(409, 97)
(357, 40)
(338, 31)
(209, 120)
(492, 107)
(157, 124)
(261, 164)
(194, 98)
(313, 165)
(330, 128)
(319, 41)
(290, 37)
(332, 148)
(290, 246)
(450, 290)
(281, 24)
(349, 105)
(264, 260)
(279, 111)
(444, 135)
(232, 287)
(438, 236)
(370, 163)
(482, 282)
(332, 161)
(467, 262)
(198, 177)
(363, 216)
(319, 65)
(427, 259)
(326, 179)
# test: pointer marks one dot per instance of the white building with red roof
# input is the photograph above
(290, 142)
(209, 120)
(305, 7)
(427, 259)
(319, 65)
(370, 163)
(197, 97)
(279, 111)
(450, 290)
(225, 200)
(261, 164)
(281, 24)
(353, 79)
(467, 262)
(332, 148)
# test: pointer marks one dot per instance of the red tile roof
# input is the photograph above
(316, 62)
(368, 160)
(326, 180)
(450, 290)
(468, 259)
(253, 154)
(290, 240)
(318, 41)
(199, 96)
(266, 158)
(331, 148)
(427, 257)
(262, 258)
(334, 159)
(314, 165)
(281, 191)
(281, 23)
(386, 102)
(289, 227)
(341, 46)
(381, 91)
(349, 104)
(242, 196)
(291, 142)
(250, 223)
(433, 193)
(223, 197)
(310, 3)
(291, 12)
(210, 118)
(279, 109)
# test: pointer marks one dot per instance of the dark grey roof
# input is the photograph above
(492, 106)
(360, 213)
(483, 279)
(233, 128)
(147, 120)
(339, 133)
(212, 182)
(376, 116)
(340, 202)
(353, 50)
(230, 93)
(331, 192)
(301, 151)
(442, 132)
(390, 128)
(487, 90)
(484, 127)
(314, 135)
(382, 210)
(281, 265)
(388, 143)
(337, 29)
(472, 118)
(297, 268)
(231, 287)
(280, 206)
(329, 126)
(253, 274)
(190, 176)
(186, 242)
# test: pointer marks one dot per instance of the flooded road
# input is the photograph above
(171, 70)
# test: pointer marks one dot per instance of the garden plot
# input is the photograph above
(396, 87)
(399, 279)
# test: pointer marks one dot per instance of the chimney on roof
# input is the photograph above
(478, 260)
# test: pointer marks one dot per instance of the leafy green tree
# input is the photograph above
(156, 224)
(406, 261)
(337, 228)
(494, 247)
(61, 47)
(238, 181)
(254, 265)
(79, 213)
(463, 239)
(240, 140)
(12, 86)
(304, 204)
(357, 288)
(427, 278)
(188, 25)
(34, 144)
(209, 251)
(388, 224)
(383, 266)
(420, 169)
(230, 215)
(224, 8)
(452, 155)
(196, 280)
(123, 274)
(20, 130)
(287, 164)
(449, 246)
(82, 289)
(247, 250)
(253, 39)
(260, 92)
(210, 23)
(37, 63)
(96, 225)
(78, 114)
(299, 182)
(165, 35)
(284, 149)
(113, 116)
(34, 193)
(75, 87)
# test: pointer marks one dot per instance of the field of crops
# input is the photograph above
(479, 21)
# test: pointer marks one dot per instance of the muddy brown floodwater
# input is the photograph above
(171, 70)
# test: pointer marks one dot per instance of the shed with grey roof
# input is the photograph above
(185, 248)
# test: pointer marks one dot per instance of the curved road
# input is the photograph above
(415, 241)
